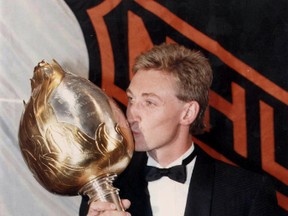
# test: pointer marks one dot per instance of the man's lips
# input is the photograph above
(135, 132)
(135, 129)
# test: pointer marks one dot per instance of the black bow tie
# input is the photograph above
(176, 173)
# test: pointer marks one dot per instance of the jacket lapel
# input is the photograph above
(134, 186)
(201, 186)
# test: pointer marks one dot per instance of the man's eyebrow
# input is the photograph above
(148, 94)
(128, 91)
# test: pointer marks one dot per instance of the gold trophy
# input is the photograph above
(73, 137)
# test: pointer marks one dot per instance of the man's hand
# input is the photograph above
(100, 208)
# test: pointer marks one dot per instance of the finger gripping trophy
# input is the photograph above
(73, 137)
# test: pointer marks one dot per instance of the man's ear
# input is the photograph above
(190, 112)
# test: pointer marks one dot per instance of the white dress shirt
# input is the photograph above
(168, 197)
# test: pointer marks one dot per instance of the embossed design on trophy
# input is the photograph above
(73, 137)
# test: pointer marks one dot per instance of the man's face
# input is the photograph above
(153, 110)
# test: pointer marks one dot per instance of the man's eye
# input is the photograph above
(149, 103)
(130, 99)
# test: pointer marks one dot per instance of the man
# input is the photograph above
(168, 96)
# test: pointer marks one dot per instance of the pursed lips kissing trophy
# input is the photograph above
(73, 137)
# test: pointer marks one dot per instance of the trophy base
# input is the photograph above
(101, 188)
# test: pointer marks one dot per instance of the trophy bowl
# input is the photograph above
(73, 137)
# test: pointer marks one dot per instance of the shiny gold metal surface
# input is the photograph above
(72, 136)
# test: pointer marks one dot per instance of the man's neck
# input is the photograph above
(165, 157)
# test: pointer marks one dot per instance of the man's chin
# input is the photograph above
(140, 148)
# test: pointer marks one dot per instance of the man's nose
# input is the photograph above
(133, 112)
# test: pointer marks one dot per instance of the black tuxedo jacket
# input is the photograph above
(216, 189)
